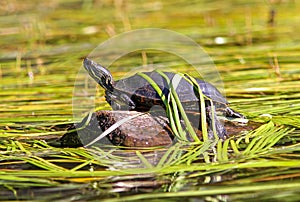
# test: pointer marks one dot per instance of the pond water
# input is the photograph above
(254, 46)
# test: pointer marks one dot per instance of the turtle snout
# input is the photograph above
(87, 62)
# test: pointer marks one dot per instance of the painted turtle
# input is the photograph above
(142, 131)
(135, 93)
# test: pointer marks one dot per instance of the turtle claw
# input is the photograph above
(231, 113)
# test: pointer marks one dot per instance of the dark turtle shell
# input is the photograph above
(144, 96)
(142, 131)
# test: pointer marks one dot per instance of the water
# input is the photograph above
(42, 47)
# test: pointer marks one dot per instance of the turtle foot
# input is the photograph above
(231, 113)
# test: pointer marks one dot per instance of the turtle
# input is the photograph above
(144, 130)
(136, 93)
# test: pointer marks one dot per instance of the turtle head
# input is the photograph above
(99, 73)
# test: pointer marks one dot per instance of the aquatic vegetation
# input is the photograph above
(258, 61)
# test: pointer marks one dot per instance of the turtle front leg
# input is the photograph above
(128, 102)
(220, 129)
(119, 102)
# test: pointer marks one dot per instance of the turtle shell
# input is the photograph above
(144, 96)
(142, 131)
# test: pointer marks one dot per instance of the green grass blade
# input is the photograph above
(165, 101)
(113, 127)
(202, 106)
(143, 159)
(174, 96)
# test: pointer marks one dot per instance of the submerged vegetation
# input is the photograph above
(256, 49)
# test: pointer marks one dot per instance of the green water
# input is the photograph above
(42, 47)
